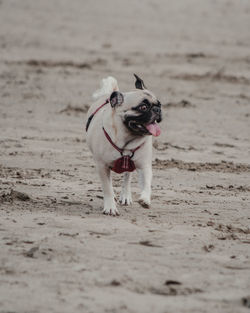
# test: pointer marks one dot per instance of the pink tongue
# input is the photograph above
(154, 129)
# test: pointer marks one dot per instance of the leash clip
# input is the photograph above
(130, 156)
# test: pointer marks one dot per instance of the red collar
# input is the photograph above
(119, 149)
(124, 163)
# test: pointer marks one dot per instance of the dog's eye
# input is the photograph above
(143, 108)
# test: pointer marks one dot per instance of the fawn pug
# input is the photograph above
(119, 130)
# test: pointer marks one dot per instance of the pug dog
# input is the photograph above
(119, 131)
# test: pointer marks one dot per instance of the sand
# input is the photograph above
(190, 252)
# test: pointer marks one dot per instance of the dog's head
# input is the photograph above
(139, 110)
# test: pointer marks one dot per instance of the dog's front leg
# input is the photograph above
(108, 193)
(145, 179)
(125, 196)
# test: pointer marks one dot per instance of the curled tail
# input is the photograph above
(108, 85)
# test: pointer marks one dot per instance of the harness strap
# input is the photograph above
(119, 149)
(93, 114)
(112, 143)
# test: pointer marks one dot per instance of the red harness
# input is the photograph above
(124, 163)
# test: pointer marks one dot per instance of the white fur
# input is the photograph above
(107, 86)
(104, 154)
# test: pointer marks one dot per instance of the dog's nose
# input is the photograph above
(156, 110)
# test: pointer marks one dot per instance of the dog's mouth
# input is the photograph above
(151, 128)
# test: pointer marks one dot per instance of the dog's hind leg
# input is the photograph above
(108, 193)
(145, 179)
(125, 196)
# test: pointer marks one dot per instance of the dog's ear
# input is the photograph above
(116, 98)
(139, 84)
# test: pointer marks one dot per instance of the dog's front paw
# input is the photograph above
(110, 211)
(144, 201)
(125, 198)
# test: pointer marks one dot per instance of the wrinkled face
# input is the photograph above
(141, 113)
(142, 119)
(139, 110)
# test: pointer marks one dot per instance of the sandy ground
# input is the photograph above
(191, 251)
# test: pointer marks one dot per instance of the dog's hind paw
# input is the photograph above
(111, 211)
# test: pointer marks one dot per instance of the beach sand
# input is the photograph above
(190, 252)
